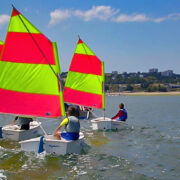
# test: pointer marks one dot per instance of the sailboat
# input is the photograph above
(85, 85)
(85, 80)
(30, 85)
(9, 89)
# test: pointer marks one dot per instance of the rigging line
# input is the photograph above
(38, 46)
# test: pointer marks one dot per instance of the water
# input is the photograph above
(148, 148)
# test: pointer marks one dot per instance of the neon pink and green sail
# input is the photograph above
(85, 79)
(1, 46)
(28, 86)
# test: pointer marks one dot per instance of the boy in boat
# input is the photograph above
(121, 115)
(72, 125)
(23, 122)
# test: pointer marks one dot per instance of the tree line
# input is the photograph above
(149, 82)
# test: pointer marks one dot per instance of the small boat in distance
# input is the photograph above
(85, 83)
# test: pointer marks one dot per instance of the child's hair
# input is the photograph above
(72, 111)
(121, 106)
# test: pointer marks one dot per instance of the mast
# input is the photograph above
(103, 90)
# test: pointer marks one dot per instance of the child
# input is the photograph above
(121, 115)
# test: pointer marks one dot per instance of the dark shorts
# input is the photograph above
(70, 136)
(24, 127)
(119, 119)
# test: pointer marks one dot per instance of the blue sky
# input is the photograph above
(128, 35)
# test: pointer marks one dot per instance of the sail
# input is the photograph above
(85, 79)
(29, 64)
(1, 46)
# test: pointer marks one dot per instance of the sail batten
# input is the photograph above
(84, 83)
(29, 83)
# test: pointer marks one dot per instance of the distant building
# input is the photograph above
(153, 70)
(133, 74)
(122, 87)
(167, 73)
(108, 74)
(141, 75)
(124, 74)
(114, 74)
(174, 86)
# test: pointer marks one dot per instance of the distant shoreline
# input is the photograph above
(176, 93)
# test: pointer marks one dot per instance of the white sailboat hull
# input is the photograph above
(102, 123)
(53, 146)
(117, 125)
(9, 132)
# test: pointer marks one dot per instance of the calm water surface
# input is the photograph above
(148, 148)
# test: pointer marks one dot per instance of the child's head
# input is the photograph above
(72, 111)
(121, 106)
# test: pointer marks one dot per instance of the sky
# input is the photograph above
(128, 35)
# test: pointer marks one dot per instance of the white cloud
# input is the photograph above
(173, 16)
(4, 19)
(158, 20)
(106, 13)
(59, 16)
(131, 18)
(96, 12)
(142, 18)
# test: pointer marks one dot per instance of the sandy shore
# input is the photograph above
(177, 93)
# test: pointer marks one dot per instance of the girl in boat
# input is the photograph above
(72, 125)
(23, 122)
(121, 115)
